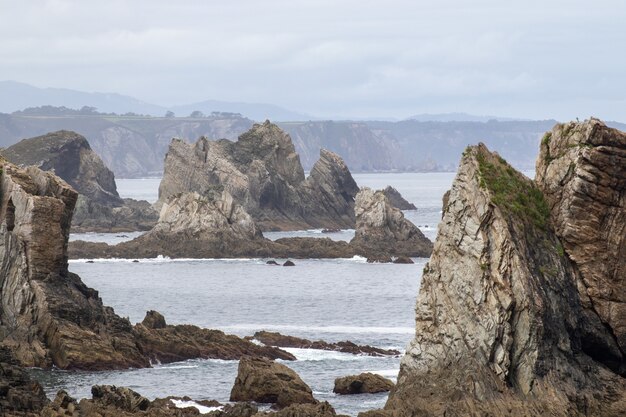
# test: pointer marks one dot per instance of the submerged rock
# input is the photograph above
(284, 341)
(289, 263)
(99, 206)
(502, 326)
(262, 172)
(365, 383)
(396, 199)
(265, 381)
(382, 230)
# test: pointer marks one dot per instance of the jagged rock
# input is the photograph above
(263, 173)
(365, 383)
(122, 398)
(99, 206)
(396, 199)
(241, 409)
(265, 381)
(19, 395)
(382, 230)
(500, 326)
(48, 316)
(582, 171)
(379, 259)
(322, 409)
(154, 320)
(181, 342)
(279, 340)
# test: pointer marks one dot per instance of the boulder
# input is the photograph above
(382, 230)
(154, 320)
(396, 199)
(262, 172)
(265, 381)
(279, 340)
(99, 206)
(365, 383)
(122, 398)
(322, 409)
(502, 326)
(289, 263)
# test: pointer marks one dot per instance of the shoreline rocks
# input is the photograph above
(365, 383)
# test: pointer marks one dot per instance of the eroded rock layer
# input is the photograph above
(262, 172)
(501, 327)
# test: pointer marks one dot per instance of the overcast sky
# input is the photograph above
(391, 58)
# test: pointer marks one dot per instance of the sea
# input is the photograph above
(331, 300)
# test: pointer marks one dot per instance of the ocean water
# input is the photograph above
(333, 300)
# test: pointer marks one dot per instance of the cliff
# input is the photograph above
(504, 325)
(262, 172)
(99, 206)
(382, 230)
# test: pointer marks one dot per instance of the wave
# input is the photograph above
(201, 408)
(322, 329)
(318, 355)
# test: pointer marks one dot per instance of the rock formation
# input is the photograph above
(396, 199)
(262, 172)
(18, 393)
(582, 171)
(280, 340)
(99, 206)
(265, 381)
(365, 383)
(382, 230)
(505, 317)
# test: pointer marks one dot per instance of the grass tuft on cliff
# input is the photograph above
(510, 190)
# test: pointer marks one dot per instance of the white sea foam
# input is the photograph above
(387, 373)
(203, 409)
(317, 355)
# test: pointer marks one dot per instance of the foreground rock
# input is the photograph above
(18, 393)
(99, 206)
(279, 340)
(382, 230)
(396, 199)
(503, 324)
(264, 381)
(263, 173)
(365, 383)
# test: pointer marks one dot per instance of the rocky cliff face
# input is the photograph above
(582, 170)
(381, 229)
(99, 206)
(263, 173)
(502, 326)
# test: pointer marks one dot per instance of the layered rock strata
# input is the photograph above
(99, 206)
(382, 230)
(504, 322)
(262, 172)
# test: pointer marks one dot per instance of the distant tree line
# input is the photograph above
(92, 111)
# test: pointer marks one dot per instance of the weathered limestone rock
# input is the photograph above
(284, 341)
(262, 172)
(381, 229)
(582, 171)
(501, 327)
(396, 199)
(265, 381)
(99, 206)
(47, 315)
(365, 383)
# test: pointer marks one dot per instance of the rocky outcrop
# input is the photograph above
(381, 229)
(365, 383)
(322, 409)
(99, 206)
(19, 395)
(265, 381)
(262, 172)
(284, 341)
(396, 199)
(582, 171)
(502, 324)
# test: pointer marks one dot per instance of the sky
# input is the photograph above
(341, 58)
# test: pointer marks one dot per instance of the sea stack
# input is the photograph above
(509, 319)
(262, 172)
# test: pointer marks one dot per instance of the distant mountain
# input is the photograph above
(15, 96)
(458, 117)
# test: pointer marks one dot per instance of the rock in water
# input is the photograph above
(365, 383)
(262, 172)
(396, 199)
(382, 230)
(99, 206)
(582, 171)
(501, 328)
(48, 316)
(265, 381)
